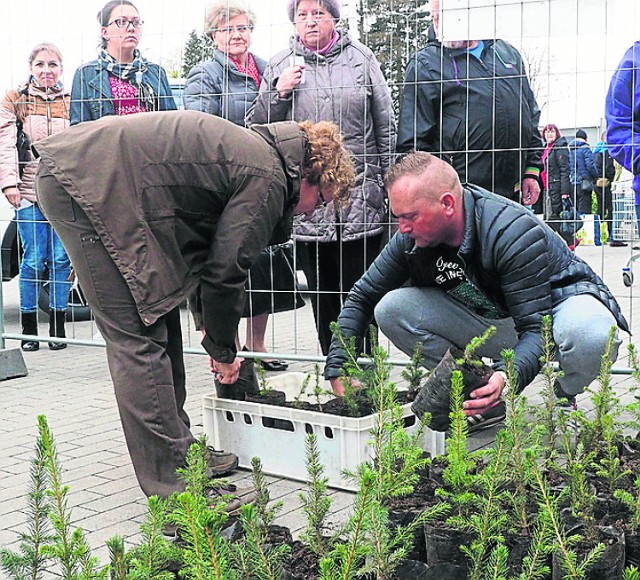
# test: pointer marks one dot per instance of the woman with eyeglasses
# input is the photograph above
(325, 74)
(120, 81)
(226, 86)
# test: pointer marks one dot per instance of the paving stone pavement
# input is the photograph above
(73, 389)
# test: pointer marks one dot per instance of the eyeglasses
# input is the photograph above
(124, 22)
(242, 29)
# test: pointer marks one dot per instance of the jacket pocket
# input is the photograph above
(373, 186)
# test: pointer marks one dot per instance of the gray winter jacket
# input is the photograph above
(345, 86)
(217, 87)
(518, 263)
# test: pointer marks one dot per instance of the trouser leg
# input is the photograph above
(331, 269)
(581, 340)
(59, 272)
(427, 315)
(33, 239)
(145, 362)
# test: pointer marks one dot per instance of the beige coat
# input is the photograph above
(43, 114)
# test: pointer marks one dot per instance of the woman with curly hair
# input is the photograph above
(185, 199)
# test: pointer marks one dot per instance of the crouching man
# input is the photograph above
(465, 259)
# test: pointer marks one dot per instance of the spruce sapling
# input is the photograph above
(470, 357)
(345, 559)
(29, 562)
(69, 547)
(414, 373)
(205, 553)
(609, 465)
(604, 400)
(151, 558)
(316, 502)
(264, 560)
(458, 475)
(254, 554)
(297, 399)
(632, 502)
(489, 522)
(564, 545)
(548, 431)
(117, 558)
(631, 573)
(517, 441)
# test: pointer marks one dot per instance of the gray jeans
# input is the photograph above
(410, 315)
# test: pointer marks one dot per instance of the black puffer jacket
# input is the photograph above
(520, 264)
(481, 116)
(558, 174)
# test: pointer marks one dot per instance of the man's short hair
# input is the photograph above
(414, 163)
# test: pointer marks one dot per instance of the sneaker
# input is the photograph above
(233, 496)
(618, 244)
(220, 462)
(563, 399)
(491, 416)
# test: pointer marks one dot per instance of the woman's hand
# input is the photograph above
(13, 196)
(289, 80)
(338, 385)
(227, 374)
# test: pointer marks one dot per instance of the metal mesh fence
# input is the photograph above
(380, 70)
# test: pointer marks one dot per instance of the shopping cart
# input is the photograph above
(625, 222)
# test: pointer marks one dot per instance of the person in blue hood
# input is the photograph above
(583, 171)
(622, 112)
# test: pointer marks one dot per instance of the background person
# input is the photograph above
(120, 81)
(470, 103)
(583, 172)
(606, 172)
(226, 86)
(42, 106)
(622, 112)
(210, 198)
(326, 75)
(556, 178)
(465, 259)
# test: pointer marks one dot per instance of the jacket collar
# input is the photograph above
(290, 143)
(469, 211)
(298, 48)
(221, 58)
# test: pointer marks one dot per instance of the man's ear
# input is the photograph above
(448, 201)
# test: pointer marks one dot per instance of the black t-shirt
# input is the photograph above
(449, 275)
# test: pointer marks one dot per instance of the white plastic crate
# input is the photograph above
(248, 430)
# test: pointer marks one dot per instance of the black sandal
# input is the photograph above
(273, 365)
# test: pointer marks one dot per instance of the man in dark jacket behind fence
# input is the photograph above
(470, 103)
(465, 259)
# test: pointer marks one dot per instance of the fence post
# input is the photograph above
(12, 363)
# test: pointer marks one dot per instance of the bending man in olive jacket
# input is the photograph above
(150, 206)
(473, 259)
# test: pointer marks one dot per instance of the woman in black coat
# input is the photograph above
(556, 178)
